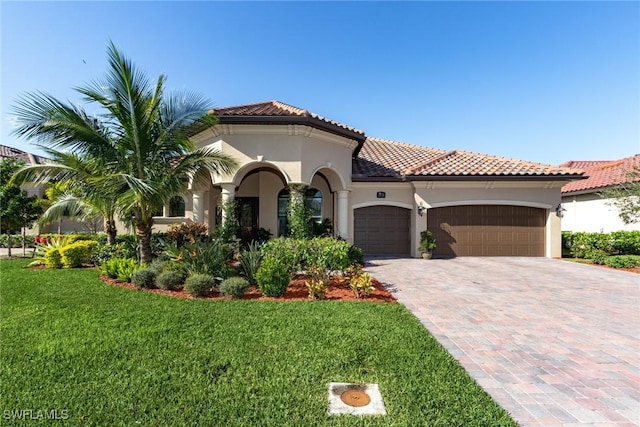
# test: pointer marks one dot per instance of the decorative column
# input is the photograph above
(228, 195)
(343, 213)
(198, 206)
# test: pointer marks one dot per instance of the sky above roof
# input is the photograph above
(539, 81)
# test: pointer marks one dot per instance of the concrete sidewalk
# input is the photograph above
(555, 343)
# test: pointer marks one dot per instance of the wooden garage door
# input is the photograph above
(382, 230)
(487, 230)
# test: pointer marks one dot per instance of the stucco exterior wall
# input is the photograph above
(296, 151)
(590, 213)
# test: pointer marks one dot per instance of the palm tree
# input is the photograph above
(140, 139)
(77, 189)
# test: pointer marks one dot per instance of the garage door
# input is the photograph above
(487, 230)
(382, 230)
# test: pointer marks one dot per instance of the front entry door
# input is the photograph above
(247, 214)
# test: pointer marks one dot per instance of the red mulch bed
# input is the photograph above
(337, 290)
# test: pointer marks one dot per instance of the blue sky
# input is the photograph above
(540, 81)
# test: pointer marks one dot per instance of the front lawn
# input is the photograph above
(112, 356)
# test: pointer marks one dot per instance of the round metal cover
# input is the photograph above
(355, 398)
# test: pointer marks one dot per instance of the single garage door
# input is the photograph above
(382, 230)
(487, 230)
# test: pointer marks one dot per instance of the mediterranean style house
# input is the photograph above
(378, 194)
(584, 208)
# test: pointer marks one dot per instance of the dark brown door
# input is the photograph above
(382, 230)
(487, 230)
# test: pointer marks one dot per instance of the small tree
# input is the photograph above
(17, 209)
(298, 214)
(626, 197)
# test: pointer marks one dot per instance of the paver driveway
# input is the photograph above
(554, 342)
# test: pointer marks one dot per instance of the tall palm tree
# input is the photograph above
(140, 138)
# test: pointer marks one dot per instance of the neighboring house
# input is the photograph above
(379, 194)
(66, 225)
(28, 159)
(585, 210)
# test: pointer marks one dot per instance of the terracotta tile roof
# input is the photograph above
(602, 173)
(13, 153)
(382, 158)
(275, 109)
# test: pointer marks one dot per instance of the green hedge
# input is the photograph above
(16, 241)
(580, 245)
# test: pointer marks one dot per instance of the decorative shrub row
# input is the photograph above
(583, 245)
(16, 241)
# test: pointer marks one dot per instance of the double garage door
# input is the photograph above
(475, 230)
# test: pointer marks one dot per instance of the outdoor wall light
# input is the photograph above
(421, 210)
(560, 210)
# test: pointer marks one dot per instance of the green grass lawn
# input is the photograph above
(112, 356)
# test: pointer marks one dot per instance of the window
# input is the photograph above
(176, 206)
(312, 200)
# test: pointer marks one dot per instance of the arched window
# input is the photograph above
(312, 200)
(176, 206)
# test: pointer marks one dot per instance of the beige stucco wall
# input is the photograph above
(296, 151)
(590, 213)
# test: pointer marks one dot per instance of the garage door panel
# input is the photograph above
(488, 230)
(382, 230)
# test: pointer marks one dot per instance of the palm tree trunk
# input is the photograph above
(111, 230)
(143, 230)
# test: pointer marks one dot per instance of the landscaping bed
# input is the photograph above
(337, 290)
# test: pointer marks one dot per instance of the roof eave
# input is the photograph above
(491, 177)
(294, 120)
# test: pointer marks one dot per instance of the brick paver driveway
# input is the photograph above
(554, 342)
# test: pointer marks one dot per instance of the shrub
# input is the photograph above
(78, 253)
(360, 284)
(581, 244)
(250, 260)
(625, 242)
(623, 261)
(234, 287)
(104, 252)
(187, 232)
(355, 256)
(598, 256)
(198, 285)
(144, 278)
(120, 268)
(170, 280)
(289, 251)
(202, 258)
(317, 288)
(273, 277)
(157, 266)
(52, 258)
(16, 240)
